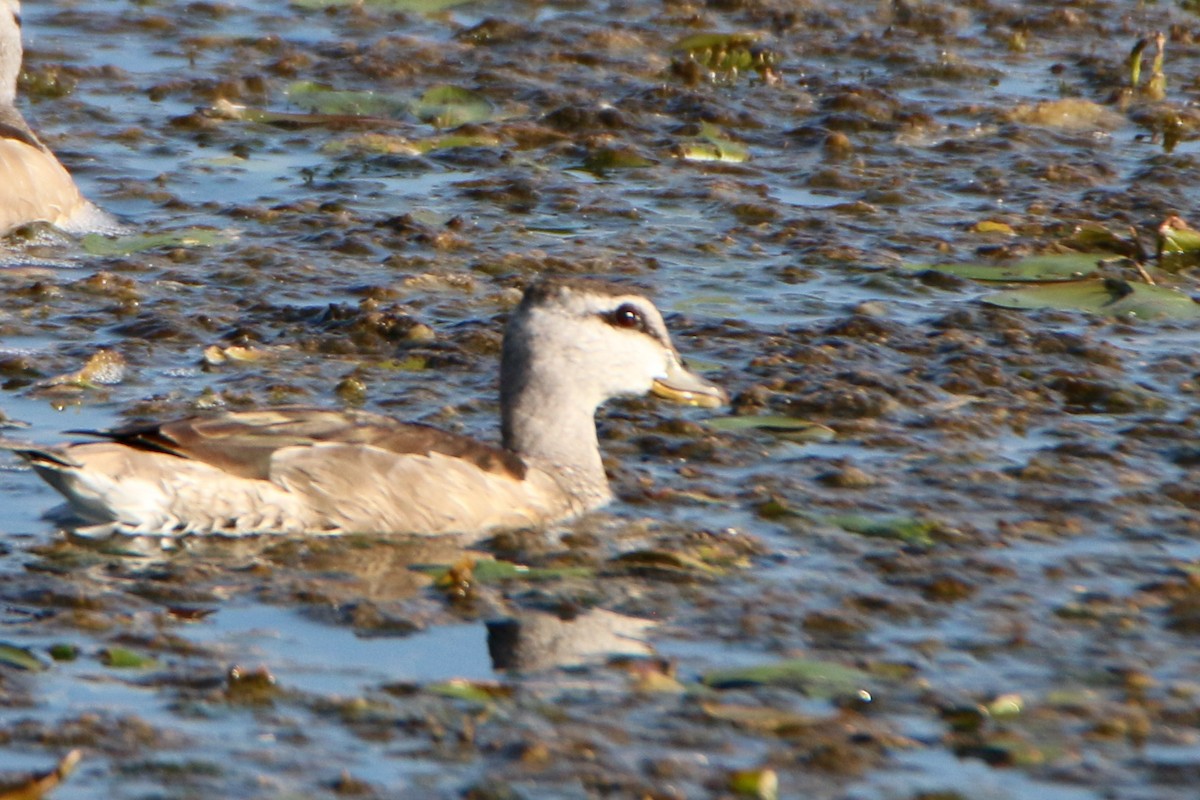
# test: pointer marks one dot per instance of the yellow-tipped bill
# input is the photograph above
(685, 387)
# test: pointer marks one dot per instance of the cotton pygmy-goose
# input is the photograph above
(34, 186)
(569, 346)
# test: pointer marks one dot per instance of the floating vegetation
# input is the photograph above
(124, 658)
(97, 244)
(1176, 243)
(819, 679)
(403, 145)
(103, 368)
(1037, 269)
(761, 783)
(908, 530)
(19, 658)
(1068, 114)
(610, 158)
(711, 145)
(1110, 297)
(319, 98)
(451, 106)
(723, 57)
(487, 570)
(797, 430)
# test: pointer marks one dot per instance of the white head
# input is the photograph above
(573, 344)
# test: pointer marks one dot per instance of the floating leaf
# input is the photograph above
(760, 783)
(820, 679)
(762, 718)
(1068, 114)
(105, 367)
(1037, 269)
(472, 691)
(712, 146)
(19, 658)
(1176, 236)
(663, 564)
(215, 355)
(992, 226)
(903, 529)
(784, 427)
(63, 651)
(98, 244)
(124, 658)
(327, 100)
(450, 106)
(1112, 298)
(605, 159)
(1091, 236)
(223, 109)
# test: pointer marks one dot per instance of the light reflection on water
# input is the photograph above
(326, 659)
(920, 771)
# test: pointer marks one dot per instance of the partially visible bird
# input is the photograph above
(34, 186)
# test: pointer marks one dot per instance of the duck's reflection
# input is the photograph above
(379, 586)
(535, 640)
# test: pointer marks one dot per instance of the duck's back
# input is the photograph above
(34, 186)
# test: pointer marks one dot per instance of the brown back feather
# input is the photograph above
(243, 443)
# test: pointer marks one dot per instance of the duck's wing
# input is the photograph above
(244, 443)
(298, 469)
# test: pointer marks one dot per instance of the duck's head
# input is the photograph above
(594, 341)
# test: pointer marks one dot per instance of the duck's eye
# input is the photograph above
(627, 316)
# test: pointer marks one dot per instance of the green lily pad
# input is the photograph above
(63, 651)
(482, 693)
(19, 658)
(124, 658)
(1111, 298)
(327, 100)
(712, 146)
(435, 143)
(798, 430)
(98, 244)
(819, 679)
(1037, 269)
(450, 106)
(606, 159)
(902, 529)
(1176, 237)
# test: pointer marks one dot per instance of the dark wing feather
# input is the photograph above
(243, 443)
(13, 126)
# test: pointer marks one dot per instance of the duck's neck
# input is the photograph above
(10, 58)
(552, 426)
